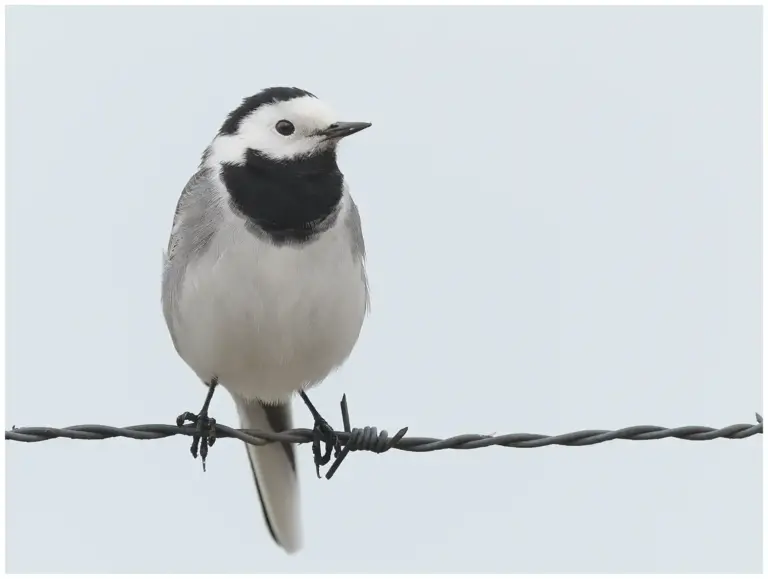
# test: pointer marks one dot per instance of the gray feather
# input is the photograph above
(355, 227)
(356, 230)
(194, 225)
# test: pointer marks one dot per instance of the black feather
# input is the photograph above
(274, 94)
(290, 201)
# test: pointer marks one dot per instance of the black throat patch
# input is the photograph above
(289, 202)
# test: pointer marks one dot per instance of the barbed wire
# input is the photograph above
(410, 444)
(369, 439)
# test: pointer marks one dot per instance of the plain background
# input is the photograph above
(562, 208)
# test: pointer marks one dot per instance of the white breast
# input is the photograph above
(268, 320)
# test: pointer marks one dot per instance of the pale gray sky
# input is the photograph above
(562, 208)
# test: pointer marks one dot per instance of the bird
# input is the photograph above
(264, 283)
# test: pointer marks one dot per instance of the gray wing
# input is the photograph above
(356, 230)
(194, 224)
(355, 227)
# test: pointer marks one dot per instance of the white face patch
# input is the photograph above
(257, 131)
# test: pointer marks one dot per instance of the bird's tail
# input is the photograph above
(274, 470)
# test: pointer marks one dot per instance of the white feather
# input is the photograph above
(257, 131)
(276, 480)
(270, 320)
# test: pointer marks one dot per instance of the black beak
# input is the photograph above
(341, 130)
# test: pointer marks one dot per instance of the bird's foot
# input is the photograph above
(205, 435)
(323, 432)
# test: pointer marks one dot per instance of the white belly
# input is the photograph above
(268, 321)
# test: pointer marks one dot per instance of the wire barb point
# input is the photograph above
(361, 439)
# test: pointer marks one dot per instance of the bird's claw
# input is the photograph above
(322, 432)
(205, 435)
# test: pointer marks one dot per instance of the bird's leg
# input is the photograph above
(205, 434)
(322, 432)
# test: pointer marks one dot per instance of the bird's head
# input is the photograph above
(281, 125)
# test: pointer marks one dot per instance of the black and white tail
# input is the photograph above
(274, 470)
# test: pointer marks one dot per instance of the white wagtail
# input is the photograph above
(264, 287)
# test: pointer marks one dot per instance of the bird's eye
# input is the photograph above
(284, 127)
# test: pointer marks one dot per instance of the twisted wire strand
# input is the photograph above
(370, 439)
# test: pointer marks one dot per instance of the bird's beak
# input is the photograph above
(341, 130)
